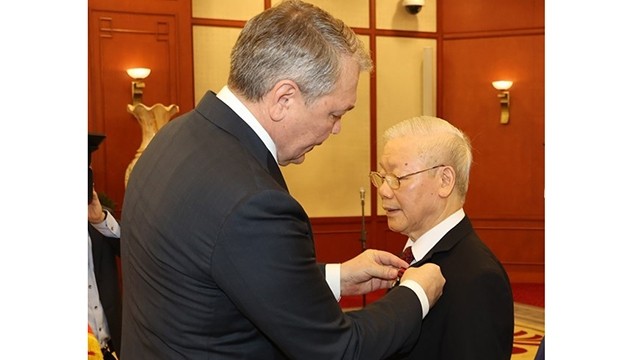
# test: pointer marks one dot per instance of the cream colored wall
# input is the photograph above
(328, 183)
(354, 13)
(225, 9)
(391, 15)
(211, 49)
(399, 82)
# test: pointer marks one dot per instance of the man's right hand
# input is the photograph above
(430, 278)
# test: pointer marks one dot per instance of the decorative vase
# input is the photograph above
(151, 119)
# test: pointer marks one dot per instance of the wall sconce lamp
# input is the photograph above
(503, 87)
(137, 85)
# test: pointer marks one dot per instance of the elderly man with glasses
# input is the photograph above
(422, 183)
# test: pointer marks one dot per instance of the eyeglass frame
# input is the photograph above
(375, 174)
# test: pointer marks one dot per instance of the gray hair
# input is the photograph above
(297, 41)
(441, 143)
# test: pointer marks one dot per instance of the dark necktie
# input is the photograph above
(407, 255)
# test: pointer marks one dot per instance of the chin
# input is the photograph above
(391, 226)
(396, 226)
(298, 160)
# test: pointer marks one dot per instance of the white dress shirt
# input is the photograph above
(422, 245)
(97, 318)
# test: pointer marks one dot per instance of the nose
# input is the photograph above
(384, 190)
(337, 126)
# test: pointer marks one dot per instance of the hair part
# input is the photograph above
(440, 143)
(297, 41)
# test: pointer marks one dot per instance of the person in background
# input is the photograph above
(105, 299)
(422, 185)
(218, 258)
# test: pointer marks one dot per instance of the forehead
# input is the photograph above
(336, 101)
(399, 152)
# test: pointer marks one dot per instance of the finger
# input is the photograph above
(384, 273)
(387, 258)
(379, 286)
(387, 284)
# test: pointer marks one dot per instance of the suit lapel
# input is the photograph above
(275, 171)
(448, 241)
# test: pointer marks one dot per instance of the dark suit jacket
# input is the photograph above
(474, 317)
(219, 259)
(104, 251)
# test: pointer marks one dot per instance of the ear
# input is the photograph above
(447, 181)
(281, 98)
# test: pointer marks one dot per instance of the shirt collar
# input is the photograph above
(428, 240)
(226, 96)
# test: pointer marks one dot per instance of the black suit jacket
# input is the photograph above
(104, 251)
(219, 259)
(474, 317)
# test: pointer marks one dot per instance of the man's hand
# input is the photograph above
(429, 277)
(96, 215)
(371, 270)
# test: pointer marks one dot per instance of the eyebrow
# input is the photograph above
(347, 109)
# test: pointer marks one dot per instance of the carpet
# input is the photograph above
(528, 331)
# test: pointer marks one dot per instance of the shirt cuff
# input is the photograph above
(109, 226)
(422, 296)
(332, 276)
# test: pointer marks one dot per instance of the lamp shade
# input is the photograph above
(138, 73)
(502, 84)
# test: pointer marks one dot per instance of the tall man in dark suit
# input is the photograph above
(218, 258)
(105, 300)
(422, 185)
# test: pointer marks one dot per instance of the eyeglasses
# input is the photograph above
(393, 181)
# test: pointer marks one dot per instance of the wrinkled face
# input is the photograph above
(307, 126)
(415, 206)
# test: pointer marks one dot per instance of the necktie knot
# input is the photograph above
(407, 255)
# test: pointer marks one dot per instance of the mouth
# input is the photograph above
(390, 210)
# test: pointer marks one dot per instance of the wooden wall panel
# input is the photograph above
(336, 239)
(123, 41)
(459, 16)
(122, 34)
(518, 244)
(507, 177)
(483, 41)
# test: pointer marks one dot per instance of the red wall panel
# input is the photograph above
(507, 177)
(124, 35)
(458, 16)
